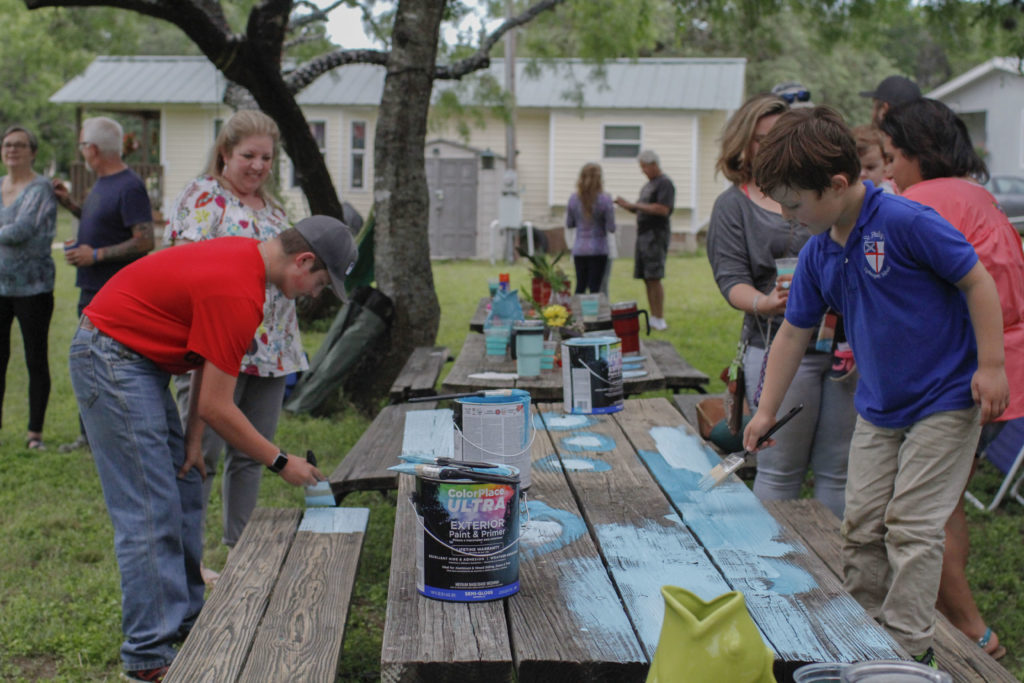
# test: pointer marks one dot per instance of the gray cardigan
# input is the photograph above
(27, 229)
(743, 242)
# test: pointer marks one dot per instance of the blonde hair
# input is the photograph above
(242, 124)
(588, 187)
(739, 133)
(868, 136)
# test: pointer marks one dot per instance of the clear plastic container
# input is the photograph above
(820, 672)
(893, 672)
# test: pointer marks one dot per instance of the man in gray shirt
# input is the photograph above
(653, 232)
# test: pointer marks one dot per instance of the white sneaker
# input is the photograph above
(658, 323)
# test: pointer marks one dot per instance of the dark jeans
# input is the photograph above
(589, 273)
(33, 314)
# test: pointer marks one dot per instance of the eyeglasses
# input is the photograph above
(83, 144)
(15, 145)
(798, 96)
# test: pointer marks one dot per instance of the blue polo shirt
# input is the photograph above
(908, 324)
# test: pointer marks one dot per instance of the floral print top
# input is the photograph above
(27, 229)
(204, 210)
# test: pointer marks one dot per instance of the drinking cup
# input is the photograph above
(496, 342)
(626, 322)
(492, 286)
(548, 354)
(528, 347)
(785, 268)
(590, 306)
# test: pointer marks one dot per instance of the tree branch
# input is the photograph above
(308, 72)
(481, 58)
(268, 26)
(315, 13)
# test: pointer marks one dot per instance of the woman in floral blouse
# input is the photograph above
(28, 223)
(231, 199)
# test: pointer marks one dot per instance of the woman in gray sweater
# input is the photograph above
(746, 235)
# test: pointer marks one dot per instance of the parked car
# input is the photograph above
(1009, 192)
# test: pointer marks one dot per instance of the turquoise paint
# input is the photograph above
(743, 539)
(588, 441)
(559, 422)
(593, 603)
(429, 432)
(644, 558)
(545, 529)
(335, 520)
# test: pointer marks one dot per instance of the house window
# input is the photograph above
(621, 142)
(319, 131)
(358, 169)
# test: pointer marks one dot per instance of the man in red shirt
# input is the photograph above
(195, 307)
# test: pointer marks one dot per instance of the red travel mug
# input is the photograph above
(626, 322)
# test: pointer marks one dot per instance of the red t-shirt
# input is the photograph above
(180, 306)
(975, 213)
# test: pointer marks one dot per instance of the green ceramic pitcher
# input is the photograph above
(709, 641)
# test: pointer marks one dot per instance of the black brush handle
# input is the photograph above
(778, 425)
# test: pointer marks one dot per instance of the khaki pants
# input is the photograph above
(902, 487)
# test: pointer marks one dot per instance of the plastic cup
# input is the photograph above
(547, 358)
(528, 348)
(496, 342)
(820, 672)
(590, 306)
(70, 244)
(785, 268)
(492, 286)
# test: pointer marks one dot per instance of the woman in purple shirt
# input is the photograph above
(592, 212)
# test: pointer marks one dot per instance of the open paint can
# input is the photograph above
(467, 547)
(495, 429)
(592, 375)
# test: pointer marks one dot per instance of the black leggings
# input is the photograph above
(589, 273)
(33, 314)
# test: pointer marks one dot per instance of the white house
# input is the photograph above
(676, 107)
(990, 100)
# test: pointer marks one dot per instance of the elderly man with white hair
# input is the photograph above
(653, 232)
(115, 222)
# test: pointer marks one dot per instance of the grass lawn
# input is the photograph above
(59, 587)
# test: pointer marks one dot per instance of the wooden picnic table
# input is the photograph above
(603, 322)
(614, 514)
(664, 367)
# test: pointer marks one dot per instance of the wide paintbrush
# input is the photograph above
(731, 463)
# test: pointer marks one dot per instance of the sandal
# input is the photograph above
(35, 444)
(996, 653)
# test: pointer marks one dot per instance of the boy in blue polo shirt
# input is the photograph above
(923, 317)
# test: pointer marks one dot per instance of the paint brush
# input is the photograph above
(731, 463)
(464, 394)
(419, 459)
(319, 495)
(446, 473)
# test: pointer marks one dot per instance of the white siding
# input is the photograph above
(186, 139)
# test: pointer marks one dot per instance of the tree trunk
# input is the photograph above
(401, 202)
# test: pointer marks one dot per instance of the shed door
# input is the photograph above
(453, 193)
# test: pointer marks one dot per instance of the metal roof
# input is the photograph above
(670, 84)
(1007, 64)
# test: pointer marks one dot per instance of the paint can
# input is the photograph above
(467, 548)
(592, 375)
(495, 429)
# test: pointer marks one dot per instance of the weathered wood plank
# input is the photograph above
(567, 621)
(419, 374)
(819, 530)
(791, 595)
(222, 636)
(432, 640)
(643, 541)
(678, 373)
(365, 467)
(302, 631)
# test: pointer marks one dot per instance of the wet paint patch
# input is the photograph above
(560, 422)
(577, 463)
(546, 529)
(588, 441)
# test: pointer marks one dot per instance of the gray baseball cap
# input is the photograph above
(895, 90)
(332, 242)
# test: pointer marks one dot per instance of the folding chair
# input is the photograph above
(1006, 452)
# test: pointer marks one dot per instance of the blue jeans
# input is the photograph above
(138, 445)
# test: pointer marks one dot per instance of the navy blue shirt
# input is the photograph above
(115, 204)
(908, 324)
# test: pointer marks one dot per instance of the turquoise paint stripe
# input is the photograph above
(560, 422)
(592, 602)
(588, 441)
(429, 432)
(577, 463)
(547, 529)
(335, 520)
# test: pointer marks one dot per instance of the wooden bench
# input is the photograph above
(365, 467)
(419, 374)
(678, 373)
(818, 528)
(279, 609)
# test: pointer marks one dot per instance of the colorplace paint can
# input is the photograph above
(467, 546)
(592, 375)
(495, 429)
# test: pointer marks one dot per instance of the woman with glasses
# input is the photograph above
(28, 224)
(746, 235)
(233, 199)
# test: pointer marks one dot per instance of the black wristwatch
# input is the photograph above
(279, 462)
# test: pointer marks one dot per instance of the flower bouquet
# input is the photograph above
(559, 322)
